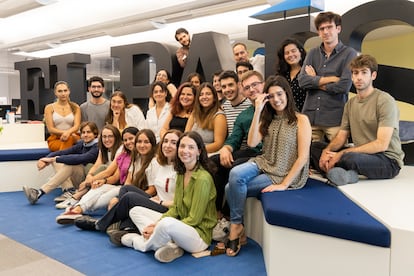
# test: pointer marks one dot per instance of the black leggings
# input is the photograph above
(129, 197)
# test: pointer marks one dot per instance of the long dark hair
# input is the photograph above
(115, 147)
(162, 160)
(203, 159)
(204, 117)
(282, 67)
(139, 179)
(163, 88)
(131, 130)
(268, 112)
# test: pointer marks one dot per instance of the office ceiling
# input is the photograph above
(43, 28)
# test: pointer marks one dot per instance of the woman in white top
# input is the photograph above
(157, 114)
(122, 114)
(62, 119)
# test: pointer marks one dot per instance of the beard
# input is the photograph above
(94, 95)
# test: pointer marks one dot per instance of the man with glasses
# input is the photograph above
(327, 78)
(96, 109)
(235, 150)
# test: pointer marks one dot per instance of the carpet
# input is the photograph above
(92, 253)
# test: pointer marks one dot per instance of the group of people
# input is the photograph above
(167, 180)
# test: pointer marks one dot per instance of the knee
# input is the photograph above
(166, 223)
(134, 212)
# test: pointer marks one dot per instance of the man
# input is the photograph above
(216, 83)
(96, 109)
(183, 37)
(242, 67)
(240, 53)
(326, 76)
(235, 101)
(235, 151)
(371, 119)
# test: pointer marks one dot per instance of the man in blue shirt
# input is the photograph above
(326, 76)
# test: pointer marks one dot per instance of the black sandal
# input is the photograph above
(235, 246)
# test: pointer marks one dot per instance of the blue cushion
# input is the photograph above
(23, 154)
(323, 209)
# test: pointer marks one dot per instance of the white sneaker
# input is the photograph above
(64, 196)
(67, 203)
(128, 239)
(168, 253)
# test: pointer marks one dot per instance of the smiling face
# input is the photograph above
(277, 99)
(206, 97)
(143, 144)
(292, 54)
(184, 39)
(195, 81)
(87, 134)
(128, 140)
(169, 146)
(158, 94)
(117, 104)
(186, 97)
(108, 138)
(252, 86)
(240, 53)
(162, 76)
(188, 152)
(229, 88)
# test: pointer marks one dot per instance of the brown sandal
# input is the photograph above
(219, 249)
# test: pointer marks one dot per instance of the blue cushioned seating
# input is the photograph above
(322, 209)
(23, 154)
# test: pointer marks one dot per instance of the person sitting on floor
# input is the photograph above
(189, 222)
(103, 191)
(110, 146)
(160, 172)
(69, 164)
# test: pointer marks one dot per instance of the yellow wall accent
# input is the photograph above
(394, 51)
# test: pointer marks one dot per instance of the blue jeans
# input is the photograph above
(245, 180)
(373, 166)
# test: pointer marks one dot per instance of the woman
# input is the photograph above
(291, 55)
(110, 142)
(69, 164)
(122, 114)
(157, 114)
(208, 118)
(284, 164)
(195, 79)
(62, 119)
(216, 83)
(165, 77)
(105, 185)
(164, 183)
(181, 108)
(189, 222)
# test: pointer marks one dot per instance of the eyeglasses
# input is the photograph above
(252, 85)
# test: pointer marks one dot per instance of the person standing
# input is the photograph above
(326, 77)
(97, 107)
(62, 119)
(371, 119)
(291, 55)
(183, 37)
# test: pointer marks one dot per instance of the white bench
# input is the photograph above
(15, 174)
(293, 252)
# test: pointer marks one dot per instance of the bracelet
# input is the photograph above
(161, 202)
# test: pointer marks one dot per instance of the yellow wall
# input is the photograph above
(396, 51)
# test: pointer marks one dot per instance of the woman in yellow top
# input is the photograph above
(62, 119)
